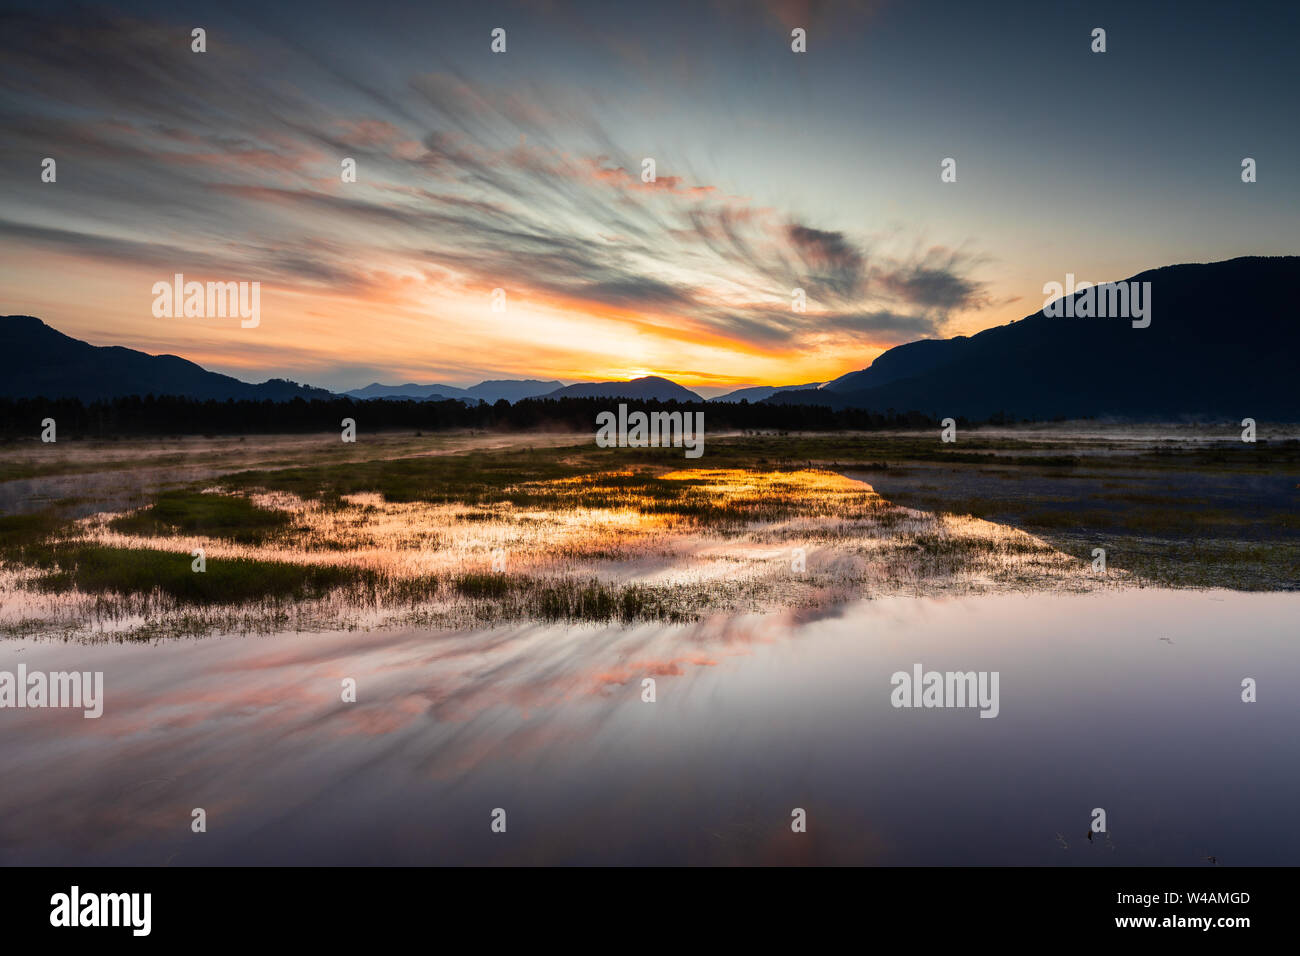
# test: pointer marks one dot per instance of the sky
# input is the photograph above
(523, 171)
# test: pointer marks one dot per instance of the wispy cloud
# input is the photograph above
(223, 164)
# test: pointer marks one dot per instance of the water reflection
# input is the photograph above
(696, 541)
(754, 716)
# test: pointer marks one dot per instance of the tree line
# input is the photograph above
(174, 415)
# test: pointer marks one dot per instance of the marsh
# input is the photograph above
(499, 603)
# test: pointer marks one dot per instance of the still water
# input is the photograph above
(1125, 700)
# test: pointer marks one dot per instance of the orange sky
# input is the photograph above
(528, 172)
(453, 338)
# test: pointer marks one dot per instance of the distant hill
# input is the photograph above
(1223, 343)
(410, 390)
(512, 390)
(38, 361)
(648, 388)
(757, 393)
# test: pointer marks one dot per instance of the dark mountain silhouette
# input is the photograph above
(491, 391)
(38, 361)
(512, 390)
(756, 393)
(901, 362)
(1223, 343)
(409, 390)
(649, 387)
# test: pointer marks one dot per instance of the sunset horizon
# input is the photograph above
(635, 216)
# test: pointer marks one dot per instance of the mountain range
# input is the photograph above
(757, 393)
(36, 360)
(512, 390)
(1222, 341)
(646, 388)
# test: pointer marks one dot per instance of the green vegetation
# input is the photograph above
(103, 570)
(566, 599)
(97, 569)
(218, 516)
(19, 532)
(46, 542)
(474, 478)
(485, 477)
(1131, 498)
(1185, 515)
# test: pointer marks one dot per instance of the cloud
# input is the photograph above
(196, 162)
(833, 264)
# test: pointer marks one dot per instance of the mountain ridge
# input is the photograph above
(756, 393)
(1220, 343)
(489, 390)
(647, 387)
(37, 360)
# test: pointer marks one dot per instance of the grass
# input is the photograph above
(1057, 489)
(231, 517)
(40, 540)
(566, 599)
(105, 570)
(488, 477)
(540, 479)
(19, 532)
(99, 569)
(1197, 525)
(1187, 516)
(475, 478)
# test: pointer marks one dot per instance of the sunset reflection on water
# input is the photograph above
(703, 540)
(754, 715)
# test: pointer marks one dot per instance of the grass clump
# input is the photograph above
(567, 599)
(21, 532)
(476, 478)
(100, 569)
(232, 517)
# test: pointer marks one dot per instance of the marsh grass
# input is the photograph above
(633, 544)
(602, 535)
(477, 478)
(23, 531)
(590, 478)
(566, 599)
(97, 569)
(1219, 517)
(213, 515)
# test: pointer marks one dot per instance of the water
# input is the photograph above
(754, 716)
